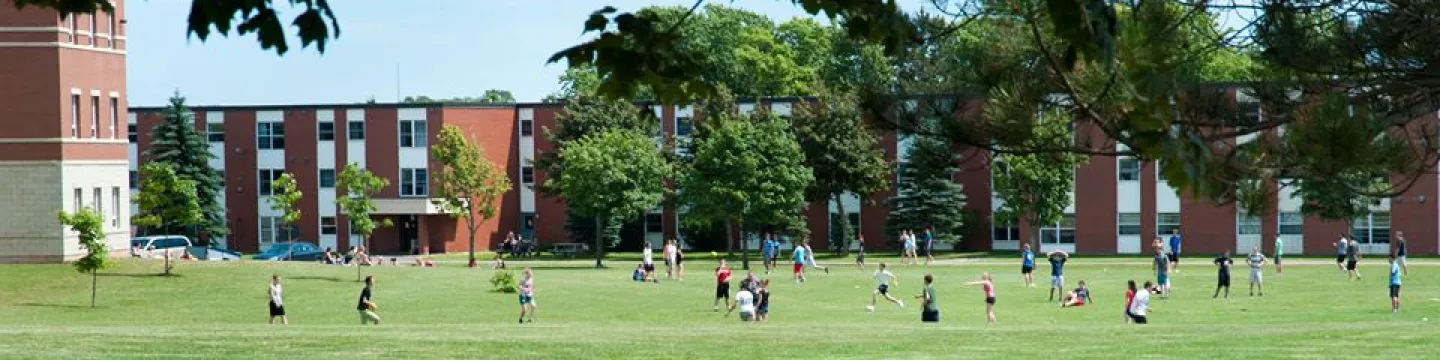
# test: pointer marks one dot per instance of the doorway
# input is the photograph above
(409, 234)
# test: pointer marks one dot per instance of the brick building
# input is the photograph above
(61, 147)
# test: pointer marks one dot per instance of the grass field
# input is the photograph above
(219, 310)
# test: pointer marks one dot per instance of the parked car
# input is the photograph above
(292, 251)
(213, 254)
(152, 246)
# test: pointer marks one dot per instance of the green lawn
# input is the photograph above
(219, 310)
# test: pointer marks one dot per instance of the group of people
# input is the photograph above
(752, 300)
(355, 256)
(368, 309)
(911, 246)
(674, 263)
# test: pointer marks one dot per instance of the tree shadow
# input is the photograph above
(64, 306)
(134, 275)
(320, 278)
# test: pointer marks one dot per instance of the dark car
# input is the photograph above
(292, 251)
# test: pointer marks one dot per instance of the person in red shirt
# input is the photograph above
(1129, 297)
(722, 284)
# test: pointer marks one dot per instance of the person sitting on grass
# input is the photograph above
(1079, 297)
(745, 301)
(499, 262)
(639, 274)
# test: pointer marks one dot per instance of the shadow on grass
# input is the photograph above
(64, 306)
(321, 278)
(134, 275)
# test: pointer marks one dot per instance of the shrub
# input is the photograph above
(503, 282)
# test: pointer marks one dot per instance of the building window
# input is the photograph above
(414, 182)
(134, 179)
(113, 30)
(79, 200)
(1062, 232)
(99, 204)
(114, 117)
(215, 132)
(684, 126)
(94, 28)
(327, 131)
(94, 117)
(1128, 223)
(75, 116)
(1292, 223)
(130, 131)
(1166, 223)
(527, 127)
(115, 204)
(1159, 171)
(527, 174)
(1129, 168)
(327, 178)
(653, 223)
(1373, 228)
(357, 130)
(1006, 232)
(74, 28)
(267, 180)
(327, 225)
(270, 135)
(412, 133)
(1247, 223)
(269, 227)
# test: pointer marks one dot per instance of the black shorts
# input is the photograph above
(1350, 265)
(679, 258)
(722, 290)
(1394, 291)
(649, 268)
(1174, 257)
(1224, 281)
(930, 316)
(1026, 269)
(762, 309)
(990, 300)
(1277, 259)
(1139, 319)
(1339, 259)
(276, 310)
(884, 289)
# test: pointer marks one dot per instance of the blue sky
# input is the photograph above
(446, 48)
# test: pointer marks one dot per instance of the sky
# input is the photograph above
(445, 48)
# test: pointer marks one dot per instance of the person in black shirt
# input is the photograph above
(1223, 262)
(366, 307)
(762, 301)
(1399, 250)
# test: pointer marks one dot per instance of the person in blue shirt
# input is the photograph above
(1340, 253)
(1057, 272)
(929, 247)
(1394, 285)
(1175, 250)
(767, 252)
(799, 268)
(1027, 264)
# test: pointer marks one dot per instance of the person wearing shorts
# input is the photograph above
(799, 266)
(1140, 306)
(1223, 262)
(277, 302)
(1174, 251)
(989, 288)
(1279, 251)
(1340, 247)
(1257, 262)
(883, 278)
(745, 301)
(1400, 250)
(1057, 272)
(527, 295)
(722, 284)
(1130, 292)
(929, 247)
(1027, 264)
(762, 309)
(1162, 275)
(367, 307)
(679, 261)
(1352, 259)
(1079, 297)
(648, 259)
(1395, 272)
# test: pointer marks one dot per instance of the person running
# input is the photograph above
(1223, 262)
(929, 247)
(745, 301)
(647, 258)
(989, 288)
(1395, 272)
(1057, 271)
(1027, 264)
(1256, 261)
(799, 267)
(883, 278)
(277, 302)
(1340, 247)
(527, 295)
(722, 284)
(1399, 251)
(1079, 297)
(810, 256)
(1279, 251)
(1130, 292)
(668, 253)
(1352, 259)
(1162, 275)
(367, 307)
(860, 256)
(1174, 253)
(1140, 306)
(762, 296)
(929, 310)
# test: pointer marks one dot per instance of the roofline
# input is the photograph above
(440, 105)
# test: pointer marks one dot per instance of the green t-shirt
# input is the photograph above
(930, 293)
(1279, 247)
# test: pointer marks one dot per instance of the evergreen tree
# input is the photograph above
(178, 143)
(928, 196)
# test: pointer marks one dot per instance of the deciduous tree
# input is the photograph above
(611, 176)
(176, 141)
(356, 187)
(87, 223)
(467, 185)
(843, 156)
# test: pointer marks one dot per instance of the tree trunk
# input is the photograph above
(599, 241)
(844, 226)
(744, 247)
(1034, 238)
(167, 262)
(729, 237)
(366, 241)
(470, 222)
(92, 289)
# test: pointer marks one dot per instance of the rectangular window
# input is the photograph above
(327, 225)
(94, 27)
(79, 200)
(327, 178)
(270, 135)
(95, 196)
(414, 182)
(412, 133)
(527, 127)
(94, 117)
(327, 131)
(1292, 223)
(527, 175)
(134, 179)
(114, 117)
(357, 130)
(115, 204)
(75, 116)
(268, 225)
(113, 30)
(74, 26)
(1006, 232)
(1373, 228)
(653, 223)
(1166, 222)
(1128, 223)
(215, 132)
(1247, 223)
(267, 179)
(1159, 171)
(684, 126)
(130, 131)
(1129, 168)
(1062, 232)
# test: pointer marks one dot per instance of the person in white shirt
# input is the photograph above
(1141, 304)
(883, 278)
(669, 254)
(810, 253)
(648, 260)
(1256, 261)
(277, 302)
(745, 301)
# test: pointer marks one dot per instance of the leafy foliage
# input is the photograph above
(491, 96)
(177, 142)
(468, 185)
(928, 196)
(314, 24)
(167, 203)
(613, 175)
(1036, 187)
(584, 116)
(843, 155)
(356, 187)
(503, 282)
(285, 198)
(88, 223)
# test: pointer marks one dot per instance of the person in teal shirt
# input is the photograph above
(1027, 265)
(1394, 285)
(1279, 250)
(799, 254)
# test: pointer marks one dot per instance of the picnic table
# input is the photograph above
(569, 250)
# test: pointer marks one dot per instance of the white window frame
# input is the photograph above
(266, 136)
(320, 178)
(410, 179)
(75, 115)
(1290, 218)
(114, 117)
(415, 136)
(1057, 231)
(115, 204)
(265, 181)
(320, 130)
(214, 130)
(1162, 228)
(269, 225)
(1135, 222)
(1121, 171)
(1248, 224)
(329, 229)
(94, 116)
(1365, 229)
(350, 130)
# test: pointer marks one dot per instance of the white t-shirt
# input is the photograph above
(275, 294)
(1141, 303)
(669, 253)
(883, 277)
(746, 301)
(649, 257)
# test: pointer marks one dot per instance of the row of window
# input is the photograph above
(1373, 228)
(75, 117)
(97, 202)
(1128, 169)
(74, 26)
(271, 135)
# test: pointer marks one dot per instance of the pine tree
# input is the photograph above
(928, 196)
(178, 143)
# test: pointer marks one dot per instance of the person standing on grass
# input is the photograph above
(1140, 306)
(1130, 292)
(769, 251)
(1162, 275)
(929, 247)
(1399, 251)
(929, 310)
(1395, 271)
(883, 278)
(277, 302)
(1057, 272)
(810, 255)
(1340, 247)
(762, 298)
(1279, 251)
(1256, 261)
(1352, 259)
(1027, 264)
(912, 248)
(989, 288)
(527, 295)
(722, 284)
(860, 256)
(667, 251)
(367, 307)
(1174, 253)
(679, 260)
(799, 268)
(647, 258)
(1223, 262)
